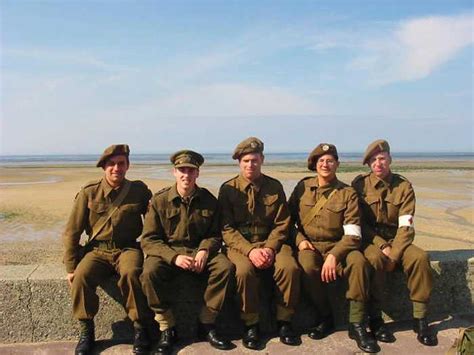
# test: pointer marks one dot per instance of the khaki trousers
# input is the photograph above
(157, 274)
(95, 268)
(415, 264)
(285, 274)
(354, 269)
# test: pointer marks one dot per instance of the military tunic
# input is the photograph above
(115, 248)
(175, 227)
(388, 209)
(255, 215)
(335, 230)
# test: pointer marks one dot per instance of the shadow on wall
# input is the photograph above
(453, 292)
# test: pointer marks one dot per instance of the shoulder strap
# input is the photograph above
(317, 207)
(100, 224)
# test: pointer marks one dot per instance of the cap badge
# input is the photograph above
(325, 147)
(253, 145)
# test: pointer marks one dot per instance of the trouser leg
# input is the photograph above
(287, 279)
(90, 272)
(220, 272)
(155, 279)
(416, 265)
(376, 259)
(311, 262)
(129, 267)
(356, 271)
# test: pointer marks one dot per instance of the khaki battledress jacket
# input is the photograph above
(388, 209)
(93, 202)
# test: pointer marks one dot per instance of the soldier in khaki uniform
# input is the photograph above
(110, 211)
(326, 214)
(388, 207)
(181, 233)
(254, 222)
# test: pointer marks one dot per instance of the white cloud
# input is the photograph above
(415, 48)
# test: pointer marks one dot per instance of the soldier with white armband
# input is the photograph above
(387, 203)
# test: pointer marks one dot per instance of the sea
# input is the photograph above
(216, 158)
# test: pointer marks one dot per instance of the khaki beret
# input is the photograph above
(248, 146)
(320, 150)
(380, 145)
(114, 149)
(187, 158)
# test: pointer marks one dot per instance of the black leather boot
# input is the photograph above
(208, 332)
(86, 338)
(365, 341)
(323, 329)
(287, 335)
(424, 333)
(251, 338)
(168, 338)
(379, 329)
(141, 341)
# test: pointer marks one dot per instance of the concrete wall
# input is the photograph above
(35, 303)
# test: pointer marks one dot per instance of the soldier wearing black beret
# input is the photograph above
(254, 226)
(387, 203)
(110, 211)
(328, 234)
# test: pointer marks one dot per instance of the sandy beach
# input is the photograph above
(35, 201)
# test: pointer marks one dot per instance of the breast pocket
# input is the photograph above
(271, 205)
(202, 222)
(335, 215)
(394, 203)
(131, 209)
(172, 220)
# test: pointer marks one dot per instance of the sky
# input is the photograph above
(77, 76)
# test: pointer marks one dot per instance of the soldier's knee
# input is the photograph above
(131, 273)
(245, 271)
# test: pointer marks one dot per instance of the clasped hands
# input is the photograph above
(262, 258)
(389, 264)
(195, 264)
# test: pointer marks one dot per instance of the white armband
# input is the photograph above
(405, 221)
(352, 229)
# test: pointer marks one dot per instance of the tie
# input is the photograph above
(251, 198)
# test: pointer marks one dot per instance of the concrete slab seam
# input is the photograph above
(29, 301)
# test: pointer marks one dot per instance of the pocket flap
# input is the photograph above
(336, 207)
(270, 200)
(172, 213)
(97, 207)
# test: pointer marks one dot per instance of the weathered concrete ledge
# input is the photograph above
(35, 302)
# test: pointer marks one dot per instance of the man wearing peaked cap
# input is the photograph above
(387, 203)
(187, 158)
(254, 224)
(181, 234)
(110, 211)
(326, 226)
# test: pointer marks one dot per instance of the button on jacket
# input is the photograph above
(383, 203)
(93, 202)
(253, 213)
(172, 223)
(335, 229)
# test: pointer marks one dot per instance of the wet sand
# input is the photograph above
(35, 201)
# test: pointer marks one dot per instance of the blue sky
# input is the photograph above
(77, 76)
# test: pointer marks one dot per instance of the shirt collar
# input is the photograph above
(173, 194)
(107, 188)
(376, 182)
(245, 183)
(313, 183)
